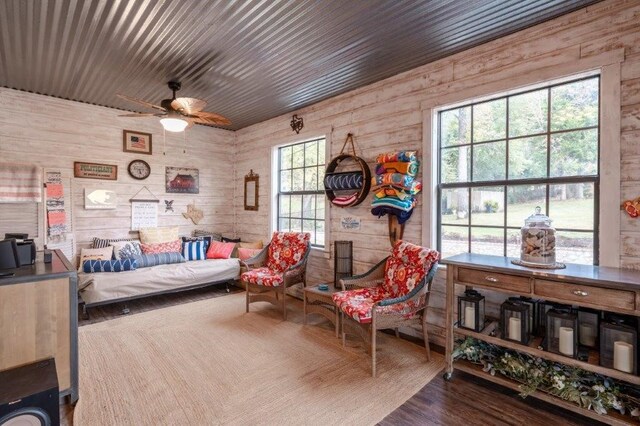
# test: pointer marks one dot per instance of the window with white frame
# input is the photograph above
(300, 196)
(501, 158)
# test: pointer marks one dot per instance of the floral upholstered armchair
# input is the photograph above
(281, 264)
(393, 293)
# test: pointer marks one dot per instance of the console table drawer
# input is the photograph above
(604, 298)
(491, 279)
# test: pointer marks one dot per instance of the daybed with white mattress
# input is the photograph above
(108, 287)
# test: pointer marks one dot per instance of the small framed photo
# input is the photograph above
(137, 142)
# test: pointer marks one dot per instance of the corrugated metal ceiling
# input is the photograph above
(250, 60)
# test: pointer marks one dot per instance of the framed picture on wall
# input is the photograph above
(182, 180)
(95, 171)
(138, 142)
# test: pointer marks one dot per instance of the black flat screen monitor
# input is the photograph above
(9, 258)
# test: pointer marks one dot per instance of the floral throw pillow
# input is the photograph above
(170, 247)
(126, 249)
(406, 267)
(286, 249)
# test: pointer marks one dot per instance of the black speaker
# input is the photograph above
(29, 395)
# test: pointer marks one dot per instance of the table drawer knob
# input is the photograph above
(491, 279)
(580, 293)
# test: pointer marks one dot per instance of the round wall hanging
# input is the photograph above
(351, 187)
(139, 169)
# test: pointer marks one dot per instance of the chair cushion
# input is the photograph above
(358, 303)
(262, 276)
(406, 309)
(286, 249)
(406, 267)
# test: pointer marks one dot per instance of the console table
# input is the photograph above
(39, 318)
(608, 289)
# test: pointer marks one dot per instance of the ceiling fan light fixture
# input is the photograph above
(172, 124)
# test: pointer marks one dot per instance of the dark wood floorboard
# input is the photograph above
(470, 400)
(465, 400)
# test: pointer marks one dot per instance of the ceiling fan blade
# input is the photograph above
(205, 117)
(137, 115)
(140, 102)
(188, 105)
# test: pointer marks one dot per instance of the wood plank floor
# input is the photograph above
(469, 400)
(465, 400)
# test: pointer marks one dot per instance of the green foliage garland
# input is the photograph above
(583, 388)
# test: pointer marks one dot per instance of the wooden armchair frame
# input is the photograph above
(381, 319)
(293, 275)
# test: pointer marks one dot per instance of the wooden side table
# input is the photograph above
(320, 302)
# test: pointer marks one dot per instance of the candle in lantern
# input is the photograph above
(470, 317)
(566, 341)
(623, 356)
(587, 334)
(515, 330)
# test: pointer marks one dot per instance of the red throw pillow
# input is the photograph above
(246, 253)
(170, 247)
(218, 250)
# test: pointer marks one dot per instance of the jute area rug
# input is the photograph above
(210, 363)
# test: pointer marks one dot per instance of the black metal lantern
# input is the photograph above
(542, 308)
(588, 327)
(533, 311)
(342, 261)
(515, 320)
(562, 332)
(619, 346)
(471, 311)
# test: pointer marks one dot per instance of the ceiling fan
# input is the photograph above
(178, 113)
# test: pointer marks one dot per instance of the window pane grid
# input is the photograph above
(301, 197)
(488, 157)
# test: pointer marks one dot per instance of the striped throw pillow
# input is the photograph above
(91, 266)
(106, 242)
(147, 260)
(194, 250)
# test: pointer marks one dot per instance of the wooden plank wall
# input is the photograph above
(387, 116)
(54, 133)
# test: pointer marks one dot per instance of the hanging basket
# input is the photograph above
(347, 188)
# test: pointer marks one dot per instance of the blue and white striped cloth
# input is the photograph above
(148, 260)
(194, 250)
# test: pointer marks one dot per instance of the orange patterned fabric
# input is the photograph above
(286, 249)
(358, 303)
(406, 267)
(404, 270)
(169, 247)
(263, 276)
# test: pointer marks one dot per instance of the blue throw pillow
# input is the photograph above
(206, 239)
(90, 266)
(147, 260)
(194, 250)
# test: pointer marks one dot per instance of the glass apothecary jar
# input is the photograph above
(538, 240)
